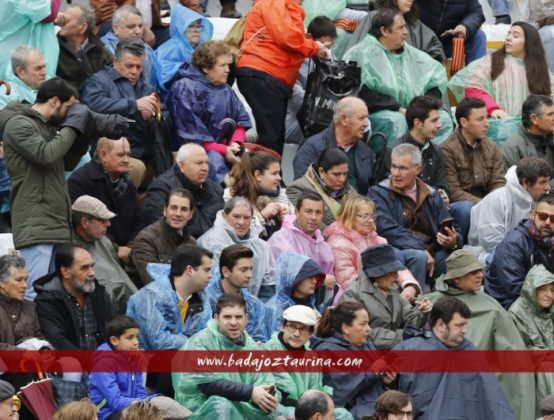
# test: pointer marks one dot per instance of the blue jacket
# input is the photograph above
(287, 267)
(314, 145)
(257, 323)
(113, 390)
(503, 280)
(441, 15)
(197, 107)
(108, 92)
(111, 40)
(358, 391)
(467, 395)
(177, 50)
(156, 310)
(390, 220)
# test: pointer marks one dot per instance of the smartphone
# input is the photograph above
(448, 34)
(446, 223)
(271, 390)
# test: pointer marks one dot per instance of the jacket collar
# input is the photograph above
(366, 286)
(194, 189)
(540, 142)
(464, 143)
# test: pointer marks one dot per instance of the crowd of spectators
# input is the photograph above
(143, 191)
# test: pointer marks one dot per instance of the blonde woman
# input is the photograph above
(353, 232)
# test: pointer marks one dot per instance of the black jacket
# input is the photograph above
(441, 15)
(434, 171)
(208, 200)
(58, 317)
(90, 179)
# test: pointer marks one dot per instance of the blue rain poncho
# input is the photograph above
(21, 24)
(156, 310)
(177, 50)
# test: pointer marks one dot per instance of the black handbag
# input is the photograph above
(329, 82)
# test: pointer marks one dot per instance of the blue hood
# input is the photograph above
(177, 50)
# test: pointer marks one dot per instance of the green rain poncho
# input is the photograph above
(20, 24)
(491, 328)
(536, 326)
(295, 383)
(402, 76)
(216, 408)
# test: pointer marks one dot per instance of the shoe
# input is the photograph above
(233, 13)
(504, 19)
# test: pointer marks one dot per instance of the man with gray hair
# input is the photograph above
(534, 137)
(314, 405)
(191, 173)
(350, 123)
(412, 215)
(26, 74)
(128, 23)
(122, 90)
(81, 52)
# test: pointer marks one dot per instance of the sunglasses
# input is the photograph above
(543, 216)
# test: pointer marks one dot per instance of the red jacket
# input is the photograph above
(281, 46)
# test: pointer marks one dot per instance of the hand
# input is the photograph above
(148, 36)
(430, 263)
(444, 197)
(460, 31)
(123, 253)
(409, 293)
(330, 281)
(1, 150)
(147, 106)
(230, 155)
(402, 110)
(263, 399)
(270, 211)
(323, 49)
(448, 241)
(60, 20)
(500, 114)
(389, 377)
(424, 305)
(284, 211)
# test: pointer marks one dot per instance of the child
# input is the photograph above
(113, 390)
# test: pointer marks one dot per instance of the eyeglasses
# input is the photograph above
(368, 216)
(195, 27)
(401, 414)
(543, 216)
(14, 403)
(292, 329)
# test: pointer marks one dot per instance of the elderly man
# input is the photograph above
(490, 327)
(349, 125)
(474, 165)
(8, 408)
(393, 73)
(157, 243)
(28, 71)
(106, 179)
(123, 90)
(535, 136)
(233, 226)
(501, 211)
(72, 306)
(239, 394)
(410, 213)
(530, 243)
(314, 405)
(469, 395)
(190, 172)
(91, 218)
(81, 52)
(127, 22)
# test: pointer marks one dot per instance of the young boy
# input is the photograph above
(112, 390)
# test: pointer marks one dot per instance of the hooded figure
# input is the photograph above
(221, 235)
(155, 307)
(292, 269)
(534, 320)
(177, 50)
(490, 326)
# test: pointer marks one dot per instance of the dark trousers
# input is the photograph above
(268, 98)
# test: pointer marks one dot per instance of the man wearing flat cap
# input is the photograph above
(90, 218)
(298, 325)
(490, 326)
(376, 289)
(8, 407)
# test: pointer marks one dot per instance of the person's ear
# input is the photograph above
(225, 272)
(19, 71)
(114, 341)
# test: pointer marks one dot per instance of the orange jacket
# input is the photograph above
(281, 46)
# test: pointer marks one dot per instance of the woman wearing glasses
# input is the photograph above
(188, 30)
(352, 233)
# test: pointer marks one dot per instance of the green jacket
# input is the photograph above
(35, 152)
(536, 326)
(491, 328)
